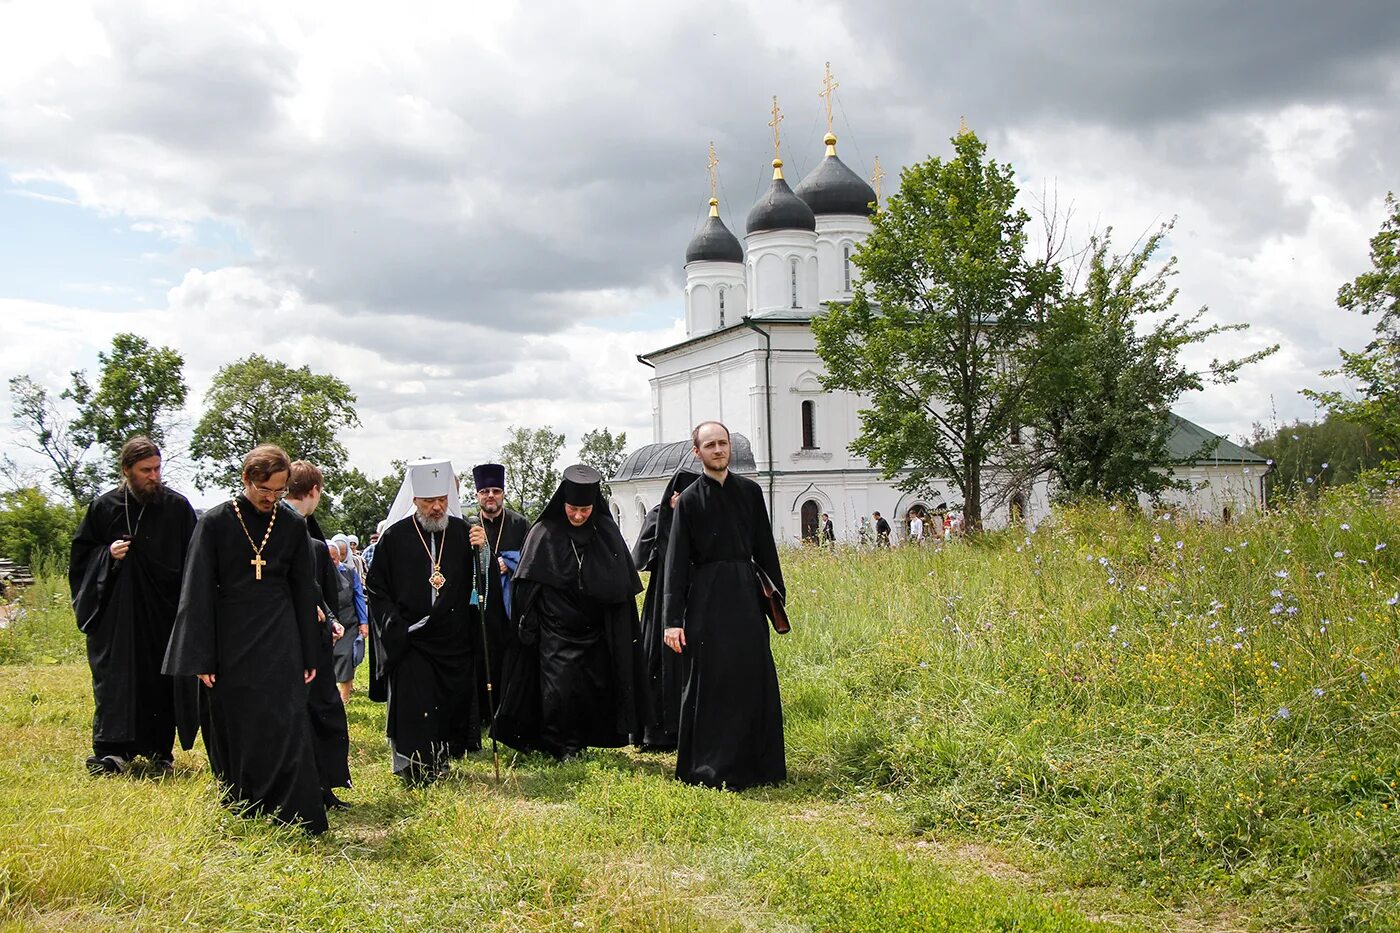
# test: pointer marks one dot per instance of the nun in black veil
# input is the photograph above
(663, 673)
(570, 680)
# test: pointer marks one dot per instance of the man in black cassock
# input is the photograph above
(247, 628)
(420, 594)
(124, 573)
(503, 530)
(663, 670)
(569, 681)
(731, 722)
(330, 732)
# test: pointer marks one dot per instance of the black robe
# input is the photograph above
(330, 732)
(731, 722)
(430, 672)
(663, 671)
(506, 533)
(127, 608)
(257, 637)
(570, 674)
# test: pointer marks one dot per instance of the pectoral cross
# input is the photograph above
(258, 564)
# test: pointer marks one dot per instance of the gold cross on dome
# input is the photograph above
(877, 177)
(710, 166)
(829, 86)
(777, 118)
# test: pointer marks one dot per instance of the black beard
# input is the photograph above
(145, 498)
(492, 513)
(433, 525)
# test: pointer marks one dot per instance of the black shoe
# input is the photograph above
(333, 802)
(160, 766)
(107, 764)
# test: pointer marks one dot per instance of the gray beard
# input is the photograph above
(433, 525)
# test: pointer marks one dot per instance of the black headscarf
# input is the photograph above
(554, 546)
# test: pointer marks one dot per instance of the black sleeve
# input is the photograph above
(644, 551)
(91, 571)
(765, 550)
(677, 586)
(302, 575)
(193, 647)
(389, 626)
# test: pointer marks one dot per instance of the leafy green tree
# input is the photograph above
(1100, 400)
(940, 337)
(604, 453)
(1375, 370)
(1311, 457)
(46, 432)
(529, 458)
(358, 502)
(140, 389)
(33, 527)
(260, 401)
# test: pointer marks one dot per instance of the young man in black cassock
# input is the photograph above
(330, 732)
(247, 628)
(503, 530)
(569, 683)
(663, 671)
(420, 595)
(124, 573)
(731, 722)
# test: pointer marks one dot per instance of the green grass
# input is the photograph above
(1011, 735)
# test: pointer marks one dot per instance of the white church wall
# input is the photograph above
(698, 317)
(675, 407)
(1215, 487)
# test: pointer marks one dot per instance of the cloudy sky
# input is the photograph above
(476, 214)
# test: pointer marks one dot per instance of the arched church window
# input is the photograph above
(794, 282)
(809, 425)
(846, 267)
(721, 307)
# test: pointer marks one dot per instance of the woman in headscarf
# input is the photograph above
(570, 679)
(662, 671)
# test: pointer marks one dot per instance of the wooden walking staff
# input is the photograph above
(483, 566)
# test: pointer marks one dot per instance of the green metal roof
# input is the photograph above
(1187, 439)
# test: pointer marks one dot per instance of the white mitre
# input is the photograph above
(426, 479)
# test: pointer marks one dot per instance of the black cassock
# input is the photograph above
(731, 722)
(570, 675)
(429, 667)
(663, 672)
(506, 533)
(256, 637)
(127, 608)
(330, 732)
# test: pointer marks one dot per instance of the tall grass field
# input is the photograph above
(1118, 721)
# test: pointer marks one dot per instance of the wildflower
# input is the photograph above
(1113, 508)
(1292, 610)
(1244, 544)
(1141, 588)
(923, 664)
(1380, 546)
(1236, 646)
(1282, 713)
(1156, 539)
(1361, 560)
(1318, 691)
(1364, 678)
(1310, 480)
(1276, 594)
(1275, 609)
(1320, 574)
(1113, 630)
(1103, 561)
(1395, 598)
(1229, 550)
(1240, 630)
(1288, 550)
(1274, 664)
(1281, 574)
(1324, 466)
(1339, 554)
(1346, 526)
(1180, 545)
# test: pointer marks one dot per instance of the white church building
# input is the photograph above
(749, 360)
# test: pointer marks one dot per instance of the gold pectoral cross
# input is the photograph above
(258, 564)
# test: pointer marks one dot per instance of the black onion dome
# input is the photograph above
(780, 209)
(832, 188)
(714, 242)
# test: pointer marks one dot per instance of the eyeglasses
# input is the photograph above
(274, 493)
